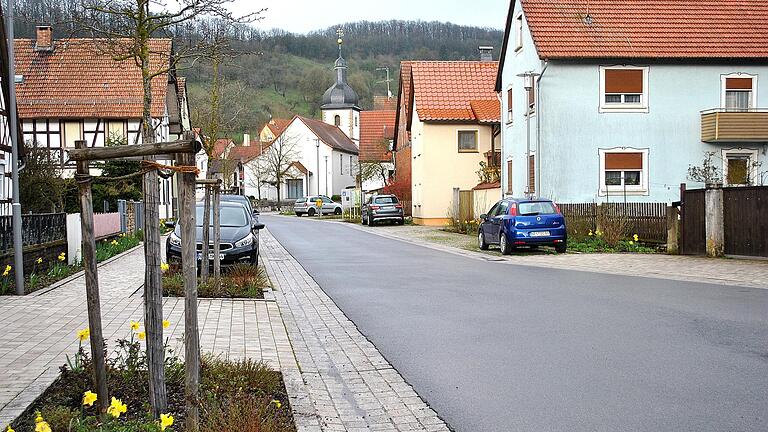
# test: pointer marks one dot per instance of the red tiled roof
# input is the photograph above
(701, 29)
(384, 103)
(375, 128)
(330, 135)
(486, 111)
(277, 126)
(484, 186)
(79, 80)
(181, 85)
(246, 153)
(220, 146)
(443, 90)
(299, 166)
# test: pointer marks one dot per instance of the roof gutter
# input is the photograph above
(537, 180)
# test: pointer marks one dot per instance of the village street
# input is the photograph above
(494, 346)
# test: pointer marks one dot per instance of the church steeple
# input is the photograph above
(340, 94)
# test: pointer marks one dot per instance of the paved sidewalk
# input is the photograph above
(738, 272)
(351, 386)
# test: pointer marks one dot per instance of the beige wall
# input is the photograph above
(438, 167)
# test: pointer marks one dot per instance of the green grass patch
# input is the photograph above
(241, 281)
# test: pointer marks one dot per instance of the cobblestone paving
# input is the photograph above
(351, 386)
(739, 272)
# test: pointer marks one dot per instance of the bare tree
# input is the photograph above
(126, 30)
(277, 160)
(257, 171)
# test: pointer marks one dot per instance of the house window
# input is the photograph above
(624, 88)
(519, 32)
(295, 188)
(116, 131)
(739, 167)
(467, 141)
(509, 105)
(341, 164)
(623, 171)
(738, 92)
(337, 120)
(532, 100)
(350, 165)
(509, 177)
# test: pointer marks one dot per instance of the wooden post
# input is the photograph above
(216, 234)
(189, 273)
(153, 295)
(673, 225)
(92, 285)
(206, 235)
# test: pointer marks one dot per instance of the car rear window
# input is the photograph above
(535, 208)
(300, 200)
(385, 200)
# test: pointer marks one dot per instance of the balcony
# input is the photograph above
(732, 126)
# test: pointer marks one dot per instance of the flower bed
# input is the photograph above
(45, 274)
(241, 281)
(237, 396)
(595, 242)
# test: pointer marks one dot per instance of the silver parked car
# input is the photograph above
(382, 208)
(308, 206)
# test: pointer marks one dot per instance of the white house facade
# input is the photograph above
(588, 116)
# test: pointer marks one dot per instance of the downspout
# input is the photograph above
(502, 161)
(537, 181)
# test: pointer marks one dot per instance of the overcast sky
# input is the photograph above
(302, 16)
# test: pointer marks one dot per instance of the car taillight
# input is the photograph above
(512, 210)
(398, 206)
(557, 209)
(375, 207)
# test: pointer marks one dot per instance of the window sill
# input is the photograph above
(518, 48)
(624, 109)
(469, 151)
(619, 191)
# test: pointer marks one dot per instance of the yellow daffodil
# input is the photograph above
(631, 242)
(599, 233)
(62, 256)
(7, 270)
(165, 421)
(40, 424)
(84, 334)
(9, 429)
(39, 261)
(277, 403)
(38, 417)
(134, 325)
(89, 398)
(636, 237)
(116, 408)
(164, 267)
(166, 323)
(590, 233)
(114, 243)
(141, 335)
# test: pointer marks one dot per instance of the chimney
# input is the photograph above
(44, 40)
(486, 53)
(246, 140)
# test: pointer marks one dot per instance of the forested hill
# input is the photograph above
(280, 73)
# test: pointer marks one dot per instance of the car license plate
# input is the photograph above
(210, 256)
(540, 234)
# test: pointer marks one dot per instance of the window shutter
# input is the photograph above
(738, 83)
(509, 100)
(532, 174)
(623, 161)
(623, 81)
(532, 98)
(509, 176)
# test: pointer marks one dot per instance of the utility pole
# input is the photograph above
(386, 81)
(18, 246)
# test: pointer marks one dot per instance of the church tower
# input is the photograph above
(340, 102)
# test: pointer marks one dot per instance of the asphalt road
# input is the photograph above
(499, 347)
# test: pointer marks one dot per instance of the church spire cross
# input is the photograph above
(340, 40)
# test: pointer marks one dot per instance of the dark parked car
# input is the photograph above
(239, 236)
(382, 208)
(242, 200)
(514, 222)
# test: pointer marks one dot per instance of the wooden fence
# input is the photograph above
(647, 220)
(36, 229)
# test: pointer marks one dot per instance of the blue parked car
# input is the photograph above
(514, 222)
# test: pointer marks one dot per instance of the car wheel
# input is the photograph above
(401, 222)
(561, 247)
(311, 212)
(504, 245)
(337, 212)
(298, 214)
(481, 241)
(363, 220)
(371, 221)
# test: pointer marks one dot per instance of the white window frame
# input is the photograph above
(631, 190)
(752, 100)
(752, 155)
(641, 107)
(477, 140)
(519, 32)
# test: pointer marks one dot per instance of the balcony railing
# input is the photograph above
(722, 125)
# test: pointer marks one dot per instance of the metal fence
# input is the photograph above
(36, 229)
